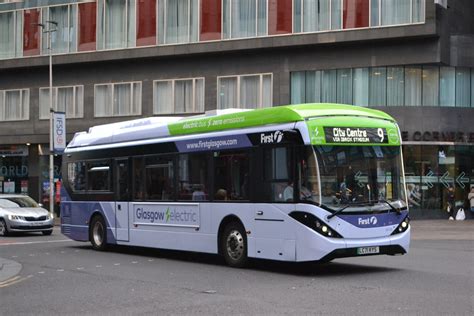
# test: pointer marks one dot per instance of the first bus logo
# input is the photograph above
(275, 137)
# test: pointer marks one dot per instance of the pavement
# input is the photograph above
(421, 230)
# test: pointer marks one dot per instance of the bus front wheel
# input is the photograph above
(98, 233)
(234, 245)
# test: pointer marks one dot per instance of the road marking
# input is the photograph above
(98, 266)
(116, 264)
(14, 280)
(60, 270)
(134, 262)
(34, 242)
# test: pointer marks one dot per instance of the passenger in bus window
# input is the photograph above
(288, 192)
(221, 194)
(198, 194)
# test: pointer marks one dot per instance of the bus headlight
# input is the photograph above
(315, 224)
(402, 227)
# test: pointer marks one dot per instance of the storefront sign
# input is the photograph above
(14, 150)
(434, 136)
(59, 132)
(355, 135)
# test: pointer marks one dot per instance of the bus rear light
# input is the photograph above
(315, 224)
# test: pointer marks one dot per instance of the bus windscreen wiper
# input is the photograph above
(339, 211)
(397, 210)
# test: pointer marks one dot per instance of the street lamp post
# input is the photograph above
(52, 26)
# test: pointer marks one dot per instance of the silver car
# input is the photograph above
(20, 213)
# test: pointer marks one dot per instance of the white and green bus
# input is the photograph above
(298, 183)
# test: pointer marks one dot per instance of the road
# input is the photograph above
(52, 275)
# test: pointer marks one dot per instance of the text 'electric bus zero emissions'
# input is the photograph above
(293, 183)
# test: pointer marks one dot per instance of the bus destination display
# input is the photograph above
(355, 135)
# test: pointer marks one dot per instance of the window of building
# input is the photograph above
(65, 99)
(11, 34)
(280, 14)
(31, 32)
(14, 105)
(87, 21)
(312, 15)
(244, 18)
(64, 38)
(146, 25)
(393, 12)
(392, 86)
(118, 99)
(116, 24)
(193, 178)
(178, 96)
(178, 21)
(231, 175)
(356, 13)
(245, 91)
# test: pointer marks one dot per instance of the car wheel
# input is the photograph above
(47, 232)
(234, 245)
(3, 228)
(98, 233)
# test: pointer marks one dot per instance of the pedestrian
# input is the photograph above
(451, 202)
(470, 197)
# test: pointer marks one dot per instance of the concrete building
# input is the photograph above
(117, 60)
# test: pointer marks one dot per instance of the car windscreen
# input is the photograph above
(12, 202)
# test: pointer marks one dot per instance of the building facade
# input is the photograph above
(116, 60)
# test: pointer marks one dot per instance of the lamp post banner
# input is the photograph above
(59, 132)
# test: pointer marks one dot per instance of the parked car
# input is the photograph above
(20, 213)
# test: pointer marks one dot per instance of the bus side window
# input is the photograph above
(278, 175)
(193, 177)
(231, 175)
(138, 183)
(159, 178)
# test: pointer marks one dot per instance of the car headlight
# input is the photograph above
(16, 217)
(402, 227)
(315, 224)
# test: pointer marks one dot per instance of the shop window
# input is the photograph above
(65, 99)
(431, 85)
(344, 86)
(378, 86)
(245, 91)
(356, 13)
(280, 14)
(395, 86)
(193, 177)
(178, 21)
(463, 86)
(447, 86)
(118, 99)
(31, 32)
(87, 21)
(231, 175)
(146, 24)
(211, 20)
(178, 96)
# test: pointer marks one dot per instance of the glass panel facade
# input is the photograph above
(31, 32)
(10, 34)
(280, 14)
(146, 24)
(356, 13)
(380, 86)
(87, 22)
(211, 20)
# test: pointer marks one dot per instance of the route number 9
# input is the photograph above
(380, 133)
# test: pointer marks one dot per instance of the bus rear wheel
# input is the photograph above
(234, 245)
(98, 233)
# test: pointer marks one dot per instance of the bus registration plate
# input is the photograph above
(367, 250)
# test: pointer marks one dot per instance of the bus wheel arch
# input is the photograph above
(98, 231)
(232, 241)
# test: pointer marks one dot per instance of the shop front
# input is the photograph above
(434, 162)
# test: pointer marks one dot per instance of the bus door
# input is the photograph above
(122, 197)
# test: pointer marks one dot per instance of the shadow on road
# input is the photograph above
(292, 268)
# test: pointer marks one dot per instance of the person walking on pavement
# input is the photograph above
(470, 197)
(451, 202)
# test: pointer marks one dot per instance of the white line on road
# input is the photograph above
(33, 242)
